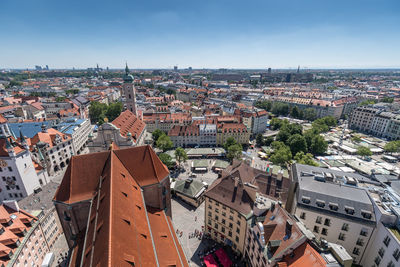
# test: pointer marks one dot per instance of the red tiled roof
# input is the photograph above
(304, 256)
(48, 137)
(122, 230)
(2, 119)
(127, 122)
(8, 238)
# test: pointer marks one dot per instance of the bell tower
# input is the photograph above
(129, 92)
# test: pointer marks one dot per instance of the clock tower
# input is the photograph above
(129, 92)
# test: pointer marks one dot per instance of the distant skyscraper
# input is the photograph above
(38, 67)
(298, 69)
(269, 70)
(175, 68)
(129, 92)
(47, 67)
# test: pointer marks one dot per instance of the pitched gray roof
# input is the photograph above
(332, 193)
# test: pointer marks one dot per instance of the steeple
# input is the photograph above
(129, 91)
(127, 77)
(126, 69)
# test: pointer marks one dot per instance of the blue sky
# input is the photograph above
(206, 33)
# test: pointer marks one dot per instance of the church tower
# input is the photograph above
(129, 92)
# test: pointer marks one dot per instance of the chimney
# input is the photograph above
(272, 206)
(288, 229)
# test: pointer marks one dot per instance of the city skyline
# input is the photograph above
(151, 35)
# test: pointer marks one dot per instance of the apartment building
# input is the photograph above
(393, 130)
(384, 248)
(238, 131)
(255, 121)
(380, 124)
(362, 117)
(376, 121)
(51, 149)
(20, 176)
(330, 205)
(22, 241)
(229, 201)
(204, 135)
(323, 108)
(185, 136)
(79, 130)
(165, 121)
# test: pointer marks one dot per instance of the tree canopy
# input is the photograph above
(166, 159)
(180, 155)
(164, 143)
(306, 159)
(364, 151)
(99, 111)
(234, 152)
(392, 147)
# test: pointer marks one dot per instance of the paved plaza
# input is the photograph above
(187, 219)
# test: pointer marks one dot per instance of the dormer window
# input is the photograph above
(333, 206)
(366, 214)
(306, 200)
(320, 203)
(349, 210)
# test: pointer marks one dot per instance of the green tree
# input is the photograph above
(268, 141)
(392, 147)
(309, 136)
(234, 152)
(60, 98)
(259, 140)
(330, 121)
(367, 102)
(320, 126)
(295, 112)
(306, 159)
(167, 160)
(387, 99)
(281, 155)
(356, 139)
(229, 142)
(113, 111)
(276, 123)
(180, 155)
(164, 143)
(318, 145)
(364, 151)
(297, 143)
(310, 114)
(96, 110)
(156, 134)
(283, 134)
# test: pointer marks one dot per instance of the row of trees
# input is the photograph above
(284, 109)
(292, 143)
(164, 143)
(99, 111)
(392, 147)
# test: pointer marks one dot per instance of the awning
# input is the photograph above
(200, 169)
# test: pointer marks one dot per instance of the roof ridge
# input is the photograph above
(111, 206)
(152, 160)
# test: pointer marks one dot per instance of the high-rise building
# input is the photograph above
(129, 92)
